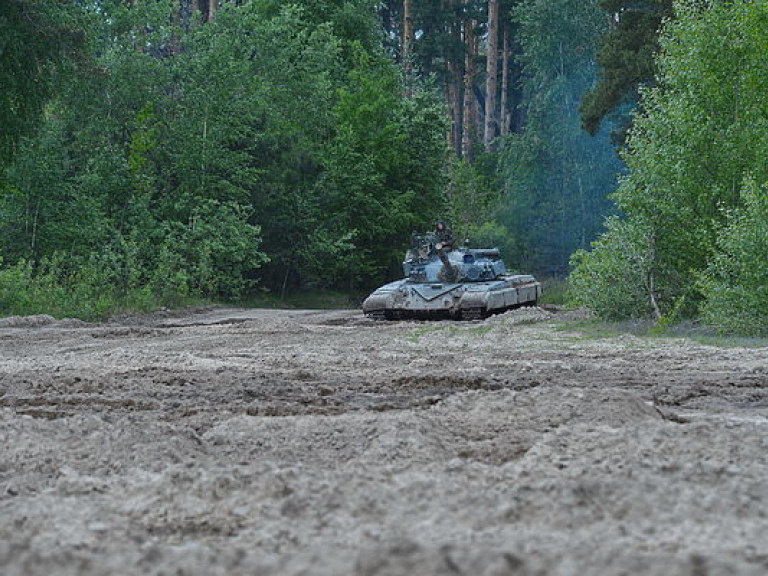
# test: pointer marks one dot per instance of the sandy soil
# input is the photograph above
(230, 441)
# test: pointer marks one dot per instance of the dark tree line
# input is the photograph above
(155, 150)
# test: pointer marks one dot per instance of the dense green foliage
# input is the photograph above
(383, 172)
(150, 156)
(154, 156)
(39, 41)
(614, 278)
(701, 135)
(273, 145)
(735, 283)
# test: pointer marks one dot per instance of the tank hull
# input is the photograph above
(459, 300)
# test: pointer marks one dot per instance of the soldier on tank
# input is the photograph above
(444, 236)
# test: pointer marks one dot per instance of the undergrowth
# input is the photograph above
(88, 290)
(93, 290)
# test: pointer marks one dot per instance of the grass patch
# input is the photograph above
(416, 334)
(553, 291)
(731, 341)
(595, 329)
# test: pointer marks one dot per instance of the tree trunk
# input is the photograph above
(491, 74)
(212, 6)
(406, 53)
(652, 277)
(469, 123)
(506, 116)
(456, 105)
(455, 89)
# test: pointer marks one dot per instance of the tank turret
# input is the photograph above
(443, 281)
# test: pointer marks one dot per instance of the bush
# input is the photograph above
(612, 279)
(735, 284)
(15, 285)
(209, 257)
(57, 286)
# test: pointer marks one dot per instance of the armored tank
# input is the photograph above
(446, 282)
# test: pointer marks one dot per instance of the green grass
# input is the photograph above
(731, 341)
(415, 335)
(553, 291)
(595, 329)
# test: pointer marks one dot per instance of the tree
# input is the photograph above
(735, 282)
(383, 168)
(701, 131)
(626, 59)
(451, 43)
(406, 54)
(39, 43)
(469, 117)
(505, 113)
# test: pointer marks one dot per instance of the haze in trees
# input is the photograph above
(693, 194)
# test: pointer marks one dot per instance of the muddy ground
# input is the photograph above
(258, 442)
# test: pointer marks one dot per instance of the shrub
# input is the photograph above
(612, 279)
(735, 284)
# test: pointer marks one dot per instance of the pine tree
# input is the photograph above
(491, 74)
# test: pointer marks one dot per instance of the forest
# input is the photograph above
(155, 152)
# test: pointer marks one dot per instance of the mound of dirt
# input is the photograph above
(26, 321)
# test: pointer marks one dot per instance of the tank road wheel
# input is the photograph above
(378, 315)
(472, 314)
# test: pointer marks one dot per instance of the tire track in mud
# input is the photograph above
(186, 392)
(175, 393)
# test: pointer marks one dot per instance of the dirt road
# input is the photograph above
(257, 442)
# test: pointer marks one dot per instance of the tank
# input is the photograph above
(445, 282)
